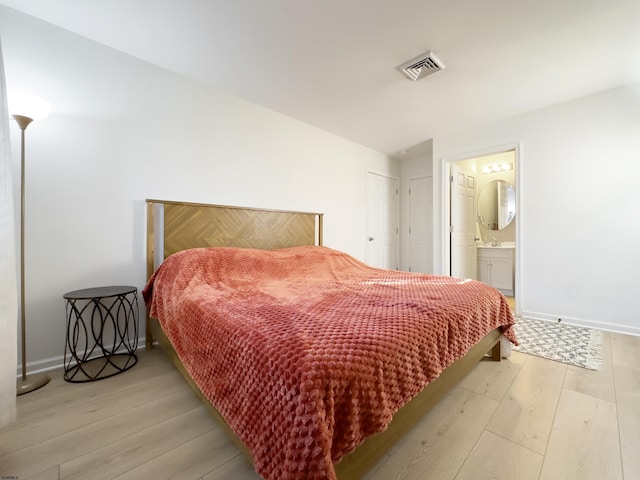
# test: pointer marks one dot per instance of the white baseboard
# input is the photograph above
(580, 322)
(53, 363)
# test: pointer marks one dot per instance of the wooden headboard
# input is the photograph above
(176, 226)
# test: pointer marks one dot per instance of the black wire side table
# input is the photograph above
(102, 332)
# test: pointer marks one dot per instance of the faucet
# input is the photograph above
(495, 242)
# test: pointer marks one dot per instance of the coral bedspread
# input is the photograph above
(306, 351)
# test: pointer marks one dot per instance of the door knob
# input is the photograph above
(371, 239)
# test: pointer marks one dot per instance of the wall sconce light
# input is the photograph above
(498, 167)
(24, 109)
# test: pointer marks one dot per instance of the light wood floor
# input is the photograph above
(522, 418)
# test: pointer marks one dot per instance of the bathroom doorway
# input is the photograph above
(483, 217)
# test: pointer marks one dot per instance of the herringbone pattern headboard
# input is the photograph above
(176, 226)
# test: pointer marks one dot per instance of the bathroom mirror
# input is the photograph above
(497, 205)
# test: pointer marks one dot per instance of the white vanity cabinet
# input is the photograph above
(496, 267)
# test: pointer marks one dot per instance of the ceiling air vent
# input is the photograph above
(422, 66)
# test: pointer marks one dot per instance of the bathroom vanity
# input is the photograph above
(496, 267)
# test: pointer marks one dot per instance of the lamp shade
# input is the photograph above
(27, 105)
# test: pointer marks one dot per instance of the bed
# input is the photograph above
(315, 362)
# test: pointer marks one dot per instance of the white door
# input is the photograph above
(463, 222)
(382, 221)
(421, 224)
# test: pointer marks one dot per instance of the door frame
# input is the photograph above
(445, 214)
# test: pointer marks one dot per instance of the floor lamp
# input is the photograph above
(25, 109)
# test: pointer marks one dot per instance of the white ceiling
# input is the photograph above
(333, 63)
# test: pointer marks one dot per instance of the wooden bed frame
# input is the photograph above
(175, 226)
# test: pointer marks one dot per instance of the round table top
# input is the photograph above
(99, 292)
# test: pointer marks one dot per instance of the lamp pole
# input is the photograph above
(24, 385)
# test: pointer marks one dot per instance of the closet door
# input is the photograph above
(421, 224)
(382, 221)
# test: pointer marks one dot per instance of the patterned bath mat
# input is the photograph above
(564, 343)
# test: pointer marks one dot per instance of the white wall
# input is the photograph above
(579, 215)
(122, 131)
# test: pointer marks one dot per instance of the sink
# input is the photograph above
(502, 245)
